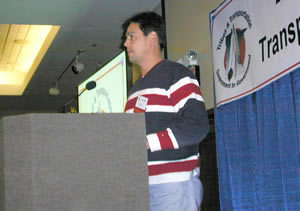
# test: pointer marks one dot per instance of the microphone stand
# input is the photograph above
(89, 86)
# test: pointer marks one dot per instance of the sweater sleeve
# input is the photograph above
(191, 124)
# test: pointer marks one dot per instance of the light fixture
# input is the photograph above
(23, 47)
(77, 67)
(192, 57)
(54, 90)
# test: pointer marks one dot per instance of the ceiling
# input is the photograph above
(90, 25)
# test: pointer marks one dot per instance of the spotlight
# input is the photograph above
(54, 91)
(192, 57)
(77, 67)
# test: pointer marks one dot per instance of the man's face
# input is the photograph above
(136, 43)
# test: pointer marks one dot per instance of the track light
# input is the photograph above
(77, 67)
(192, 57)
(54, 90)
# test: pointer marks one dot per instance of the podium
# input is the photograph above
(73, 162)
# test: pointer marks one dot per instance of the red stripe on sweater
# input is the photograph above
(153, 99)
(165, 140)
(130, 104)
(183, 92)
(173, 167)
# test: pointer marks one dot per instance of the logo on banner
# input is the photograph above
(233, 71)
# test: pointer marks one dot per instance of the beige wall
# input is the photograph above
(188, 28)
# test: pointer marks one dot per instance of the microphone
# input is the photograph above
(90, 85)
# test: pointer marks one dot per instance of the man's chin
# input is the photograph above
(131, 59)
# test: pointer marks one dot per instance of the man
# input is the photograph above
(176, 118)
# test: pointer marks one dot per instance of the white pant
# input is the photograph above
(176, 196)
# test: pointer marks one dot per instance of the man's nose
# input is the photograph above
(126, 43)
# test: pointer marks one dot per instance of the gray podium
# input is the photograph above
(73, 162)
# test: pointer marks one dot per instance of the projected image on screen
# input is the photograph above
(110, 93)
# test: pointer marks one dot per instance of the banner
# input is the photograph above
(253, 43)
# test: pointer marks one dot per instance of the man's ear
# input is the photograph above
(153, 37)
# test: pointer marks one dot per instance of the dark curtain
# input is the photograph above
(258, 148)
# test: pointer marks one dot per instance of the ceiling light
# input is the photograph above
(22, 47)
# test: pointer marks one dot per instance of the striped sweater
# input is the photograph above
(176, 120)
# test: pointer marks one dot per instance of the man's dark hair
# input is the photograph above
(148, 22)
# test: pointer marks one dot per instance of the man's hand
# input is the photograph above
(147, 143)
